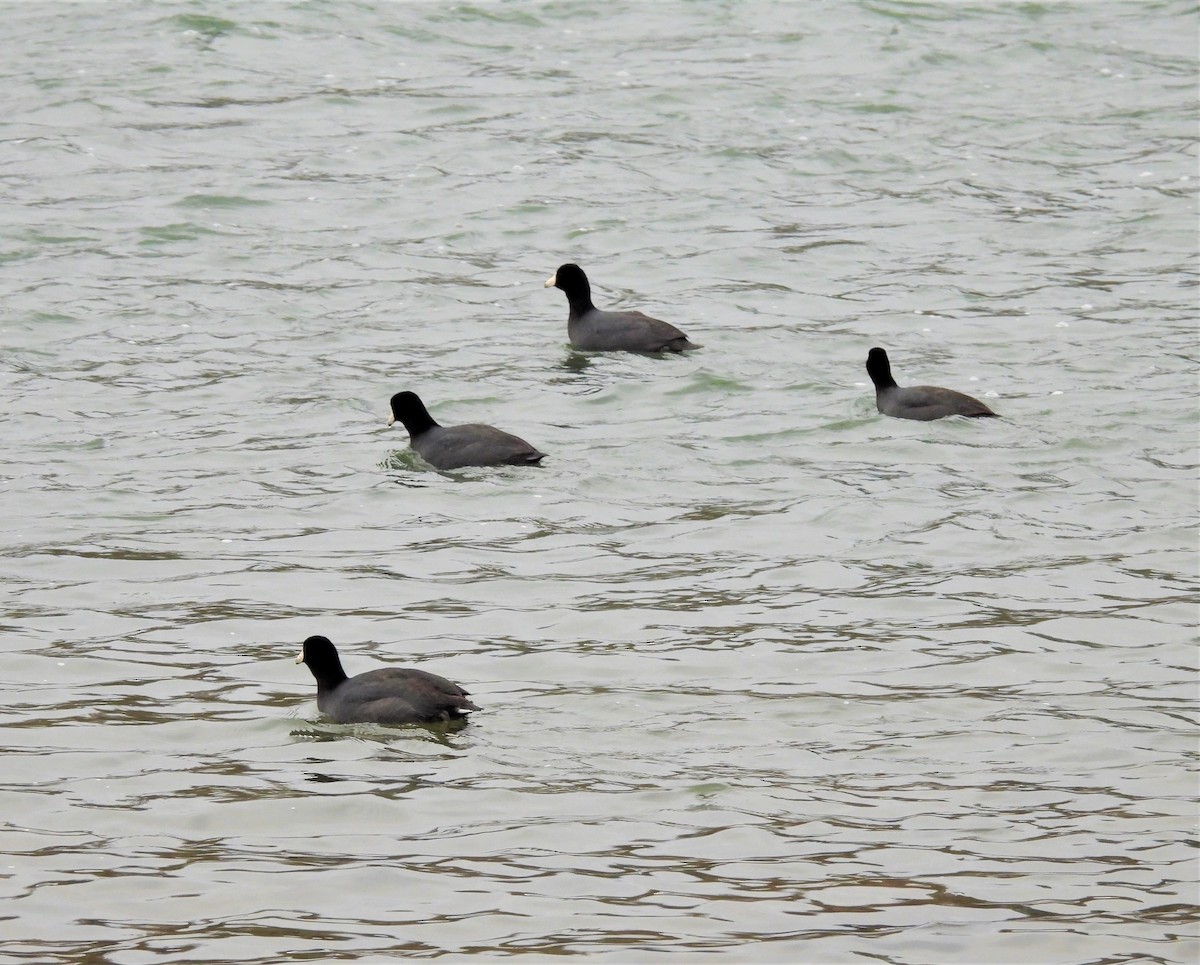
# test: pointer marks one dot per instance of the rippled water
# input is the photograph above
(764, 674)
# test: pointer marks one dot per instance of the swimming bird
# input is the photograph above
(452, 447)
(593, 330)
(921, 402)
(392, 695)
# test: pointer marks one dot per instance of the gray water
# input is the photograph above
(765, 676)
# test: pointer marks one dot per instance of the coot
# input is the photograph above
(593, 330)
(393, 695)
(453, 447)
(921, 402)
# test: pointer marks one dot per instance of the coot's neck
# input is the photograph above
(418, 422)
(330, 676)
(579, 297)
(416, 418)
(880, 371)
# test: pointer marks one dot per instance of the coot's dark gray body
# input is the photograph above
(592, 330)
(390, 696)
(453, 447)
(921, 402)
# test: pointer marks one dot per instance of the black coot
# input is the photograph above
(453, 447)
(593, 330)
(390, 696)
(921, 402)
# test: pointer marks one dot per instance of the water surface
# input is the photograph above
(765, 675)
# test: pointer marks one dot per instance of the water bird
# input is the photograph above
(920, 402)
(393, 695)
(592, 330)
(453, 447)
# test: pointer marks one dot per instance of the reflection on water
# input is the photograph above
(438, 732)
(763, 673)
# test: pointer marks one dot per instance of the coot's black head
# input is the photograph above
(571, 279)
(879, 368)
(322, 659)
(409, 409)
